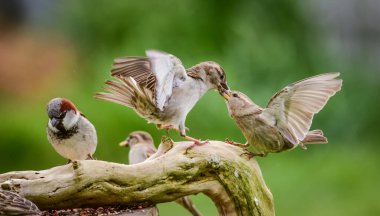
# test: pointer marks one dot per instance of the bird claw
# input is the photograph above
(250, 154)
(201, 143)
(197, 143)
(228, 141)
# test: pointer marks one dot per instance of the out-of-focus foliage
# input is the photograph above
(65, 49)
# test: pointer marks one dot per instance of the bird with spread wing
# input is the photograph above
(285, 122)
(160, 89)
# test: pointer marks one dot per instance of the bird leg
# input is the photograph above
(169, 127)
(246, 145)
(250, 154)
(89, 157)
(196, 141)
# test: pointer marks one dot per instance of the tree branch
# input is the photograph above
(233, 182)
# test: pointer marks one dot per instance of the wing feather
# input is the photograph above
(158, 72)
(168, 71)
(295, 105)
(130, 93)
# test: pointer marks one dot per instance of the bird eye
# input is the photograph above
(234, 95)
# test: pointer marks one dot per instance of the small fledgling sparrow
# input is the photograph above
(13, 204)
(69, 131)
(142, 147)
(285, 122)
(160, 89)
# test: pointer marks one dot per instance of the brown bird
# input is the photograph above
(285, 122)
(160, 89)
(141, 148)
(13, 204)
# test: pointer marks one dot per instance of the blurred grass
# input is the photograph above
(262, 45)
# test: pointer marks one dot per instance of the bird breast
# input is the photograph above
(183, 99)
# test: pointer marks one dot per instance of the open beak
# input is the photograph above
(124, 143)
(224, 91)
(226, 95)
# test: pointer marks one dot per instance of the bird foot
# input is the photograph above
(169, 127)
(250, 154)
(196, 141)
(228, 141)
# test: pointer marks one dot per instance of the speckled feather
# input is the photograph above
(13, 204)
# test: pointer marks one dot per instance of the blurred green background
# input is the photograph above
(65, 49)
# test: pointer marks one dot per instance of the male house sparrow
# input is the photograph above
(286, 120)
(141, 148)
(13, 204)
(69, 131)
(160, 89)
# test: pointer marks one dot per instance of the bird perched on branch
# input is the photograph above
(286, 120)
(160, 89)
(13, 204)
(69, 131)
(141, 148)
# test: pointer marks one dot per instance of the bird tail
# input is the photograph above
(189, 205)
(315, 137)
(119, 92)
(129, 93)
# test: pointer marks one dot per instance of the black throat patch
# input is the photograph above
(62, 133)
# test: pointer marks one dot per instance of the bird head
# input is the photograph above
(137, 137)
(238, 102)
(63, 115)
(216, 77)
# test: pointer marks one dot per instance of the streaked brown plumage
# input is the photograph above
(286, 120)
(141, 148)
(13, 204)
(160, 89)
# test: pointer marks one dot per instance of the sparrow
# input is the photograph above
(69, 131)
(13, 204)
(142, 147)
(160, 89)
(285, 122)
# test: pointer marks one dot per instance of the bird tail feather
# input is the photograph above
(315, 137)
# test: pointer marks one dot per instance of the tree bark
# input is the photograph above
(219, 170)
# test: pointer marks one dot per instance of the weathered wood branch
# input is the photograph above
(232, 181)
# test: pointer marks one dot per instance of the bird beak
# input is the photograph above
(224, 91)
(226, 95)
(54, 122)
(124, 143)
(224, 85)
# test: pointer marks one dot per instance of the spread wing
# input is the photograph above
(294, 106)
(158, 72)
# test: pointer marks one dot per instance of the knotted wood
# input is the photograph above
(219, 170)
